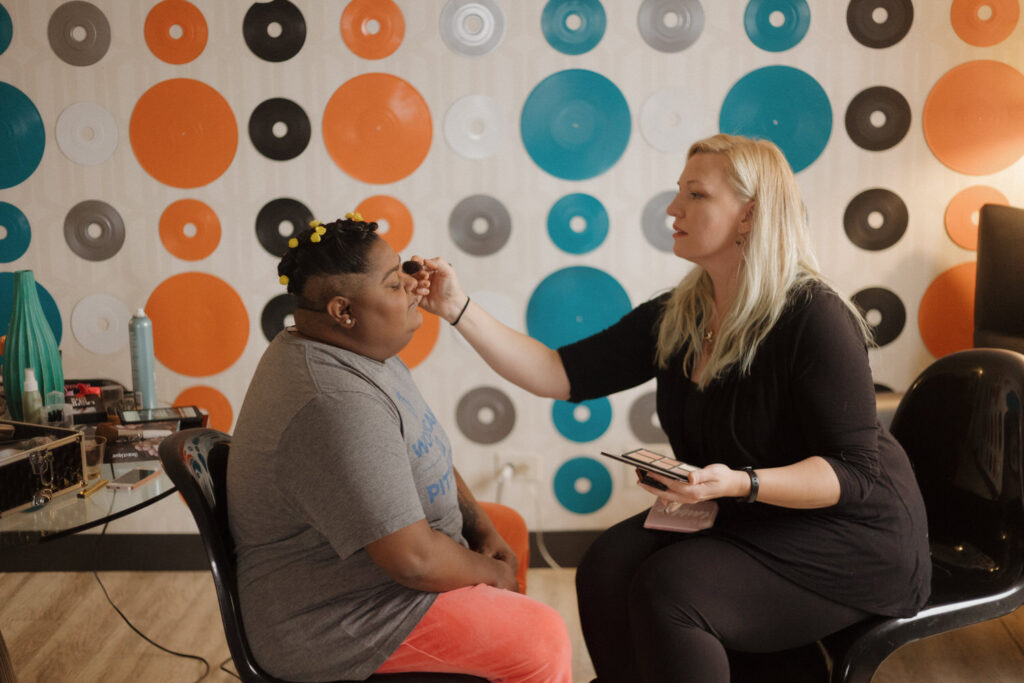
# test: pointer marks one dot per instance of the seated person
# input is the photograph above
(359, 547)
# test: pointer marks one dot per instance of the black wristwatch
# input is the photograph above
(754, 485)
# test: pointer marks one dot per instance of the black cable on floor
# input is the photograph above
(132, 626)
(229, 671)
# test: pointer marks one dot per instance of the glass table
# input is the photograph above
(68, 514)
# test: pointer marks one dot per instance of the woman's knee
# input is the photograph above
(545, 651)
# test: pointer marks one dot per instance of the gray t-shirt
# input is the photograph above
(332, 451)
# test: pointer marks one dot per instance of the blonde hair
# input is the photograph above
(777, 260)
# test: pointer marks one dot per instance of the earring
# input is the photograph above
(741, 240)
(348, 321)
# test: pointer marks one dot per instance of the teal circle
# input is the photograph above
(18, 233)
(576, 40)
(574, 303)
(575, 124)
(6, 29)
(563, 414)
(757, 22)
(781, 104)
(50, 310)
(561, 226)
(22, 136)
(591, 500)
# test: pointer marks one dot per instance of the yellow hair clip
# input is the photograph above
(315, 223)
(353, 216)
(315, 237)
(293, 242)
(283, 279)
(321, 230)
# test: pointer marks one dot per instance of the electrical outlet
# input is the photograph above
(524, 466)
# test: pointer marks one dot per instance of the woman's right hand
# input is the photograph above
(445, 297)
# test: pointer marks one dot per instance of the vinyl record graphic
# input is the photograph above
(578, 223)
(784, 105)
(485, 415)
(372, 29)
(276, 315)
(643, 420)
(472, 27)
(100, 323)
(176, 31)
(573, 303)
(183, 133)
(584, 421)
(875, 219)
(655, 222)
(879, 23)
(877, 118)
(883, 311)
(573, 26)
(964, 210)
(984, 23)
(582, 485)
(575, 124)
(776, 25)
(279, 129)
(480, 225)
(212, 401)
(189, 229)
(973, 120)
(278, 221)
(671, 120)
(377, 128)
(393, 218)
(94, 230)
(17, 234)
(22, 136)
(670, 25)
(6, 29)
(275, 30)
(475, 126)
(87, 133)
(945, 316)
(79, 33)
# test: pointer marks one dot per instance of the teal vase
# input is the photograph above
(30, 344)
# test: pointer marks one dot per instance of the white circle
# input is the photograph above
(79, 33)
(382, 226)
(877, 118)
(274, 29)
(777, 19)
(582, 486)
(574, 22)
(876, 220)
(86, 133)
(286, 228)
(100, 323)
(289, 320)
(94, 231)
(279, 129)
(475, 127)
(671, 119)
(880, 15)
(581, 413)
(578, 224)
(873, 317)
(371, 27)
(3, 232)
(485, 415)
(985, 12)
(190, 230)
(671, 19)
(176, 31)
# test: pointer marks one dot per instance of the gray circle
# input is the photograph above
(670, 25)
(640, 420)
(480, 225)
(74, 18)
(78, 225)
(653, 221)
(478, 428)
(472, 27)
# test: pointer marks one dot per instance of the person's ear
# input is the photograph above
(340, 310)
(748, 215)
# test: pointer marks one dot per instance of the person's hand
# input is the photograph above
(708, 483)
(494, 546)
(438, 288)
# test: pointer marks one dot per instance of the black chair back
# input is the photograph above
(999, 287)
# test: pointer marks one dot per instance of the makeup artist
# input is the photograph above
(763, 382)
(359, 547)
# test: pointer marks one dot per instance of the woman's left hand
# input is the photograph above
(708, 483)
(491, 544)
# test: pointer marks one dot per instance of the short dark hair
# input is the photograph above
(327, 249)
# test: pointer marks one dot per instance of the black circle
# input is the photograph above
(270, 218)
(274, 314)
(256, 26)
(868, 32)
(856, 219)
(891, 104)
(889, 306)
(261, 129)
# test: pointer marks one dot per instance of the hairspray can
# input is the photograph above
(140, 337)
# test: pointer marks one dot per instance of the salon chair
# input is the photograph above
(999, 284)
(962, 426)
(196, 460)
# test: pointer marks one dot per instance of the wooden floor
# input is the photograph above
(60, 629)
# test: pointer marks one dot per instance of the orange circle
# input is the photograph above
(974, 117)
(372, 29)
(962, 213)
(200, 326)
(1000, 18)
(377, 128)
(165, 20)
(382, 207)
(174, 229)
(210, 400)
(183, 133)
(946, 315)
(423, 340)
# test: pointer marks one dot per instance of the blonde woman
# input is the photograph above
(763, 383)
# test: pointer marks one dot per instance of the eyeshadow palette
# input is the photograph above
(654, 462)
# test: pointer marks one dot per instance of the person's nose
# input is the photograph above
(675, 207)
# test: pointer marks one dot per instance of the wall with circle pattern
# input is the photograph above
(158, 155)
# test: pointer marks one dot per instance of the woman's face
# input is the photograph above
(385, 310)
(708, 216)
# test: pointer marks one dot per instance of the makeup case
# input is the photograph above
(38, 463)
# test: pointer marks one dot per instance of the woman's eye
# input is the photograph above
(696, 195)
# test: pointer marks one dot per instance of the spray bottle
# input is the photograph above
(140, 337)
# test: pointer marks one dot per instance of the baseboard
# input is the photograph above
(184, 552)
